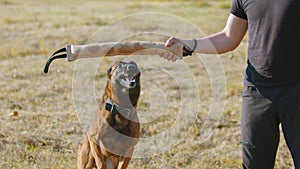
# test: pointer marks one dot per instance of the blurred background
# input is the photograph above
(39, 124)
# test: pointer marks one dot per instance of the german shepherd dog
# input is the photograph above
(110, 140)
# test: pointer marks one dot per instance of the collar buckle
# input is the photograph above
(109, 106)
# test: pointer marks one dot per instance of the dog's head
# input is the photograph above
(124, 75)
(123, 83)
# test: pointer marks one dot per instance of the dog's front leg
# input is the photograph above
(124, 161)
(99, 158)
(85, 160)
(123, 164)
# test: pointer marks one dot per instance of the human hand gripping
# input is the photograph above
(187, 49)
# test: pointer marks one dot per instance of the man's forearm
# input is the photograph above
(214, 44)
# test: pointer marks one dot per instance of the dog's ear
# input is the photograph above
(108, 71)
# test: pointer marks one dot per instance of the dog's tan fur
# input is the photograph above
(110, 140)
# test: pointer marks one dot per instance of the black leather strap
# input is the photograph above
(187, 51)
(56, 55)
(59, 51)
(111, 108)
(125, 112)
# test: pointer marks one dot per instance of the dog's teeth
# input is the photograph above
(130, 79)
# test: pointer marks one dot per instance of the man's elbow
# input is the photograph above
(231, 45)
(228, 44)
(226, 49)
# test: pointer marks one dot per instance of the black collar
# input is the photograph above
(115, 109)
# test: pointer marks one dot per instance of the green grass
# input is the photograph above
(47, 131)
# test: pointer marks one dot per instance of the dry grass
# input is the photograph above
(47, 130)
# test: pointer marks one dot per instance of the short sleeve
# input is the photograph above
(237, 9)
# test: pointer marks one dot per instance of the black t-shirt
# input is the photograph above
(274, 40)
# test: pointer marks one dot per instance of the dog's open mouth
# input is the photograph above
(128, 81)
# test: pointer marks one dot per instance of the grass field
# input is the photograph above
(47, 129)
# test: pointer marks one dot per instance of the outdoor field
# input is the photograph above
(189, 110)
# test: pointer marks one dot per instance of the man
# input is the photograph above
(271, 93)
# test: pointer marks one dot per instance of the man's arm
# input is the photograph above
(226, 40)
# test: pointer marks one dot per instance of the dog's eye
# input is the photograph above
(119, 66)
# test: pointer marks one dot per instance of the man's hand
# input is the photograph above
(169, 55)
(187, 49)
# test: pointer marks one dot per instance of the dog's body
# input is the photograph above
(114, 132)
